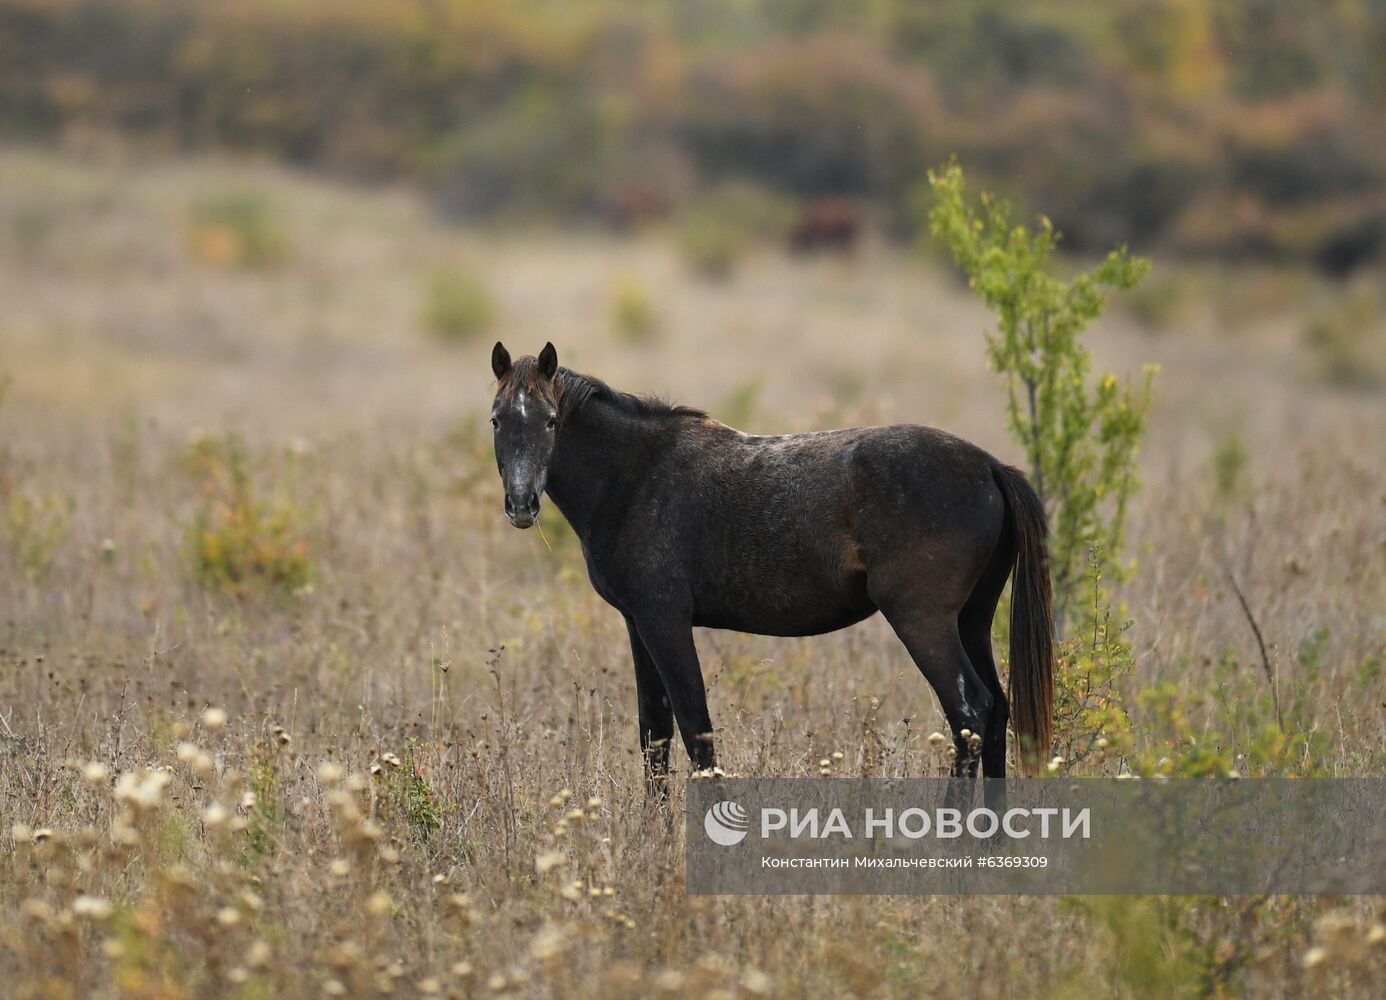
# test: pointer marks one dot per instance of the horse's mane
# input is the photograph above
(576, 389)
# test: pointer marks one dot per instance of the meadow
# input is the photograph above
(288, 709)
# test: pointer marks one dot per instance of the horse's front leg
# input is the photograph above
(669, 641)
(656, 717)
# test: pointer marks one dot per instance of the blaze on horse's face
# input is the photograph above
(524, 421)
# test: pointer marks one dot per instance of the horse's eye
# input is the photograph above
(553, 422)
(495, 423)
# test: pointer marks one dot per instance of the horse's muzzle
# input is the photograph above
(524, 513)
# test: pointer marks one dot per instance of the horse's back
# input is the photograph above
(781, 534)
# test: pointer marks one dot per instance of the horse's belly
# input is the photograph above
(801, 608)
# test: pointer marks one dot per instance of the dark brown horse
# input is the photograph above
(827, 224)
(685, 521)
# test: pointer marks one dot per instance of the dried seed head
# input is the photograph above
(756, 983)
(936, 739)
(1315, 957)
(330, 773)
(548, 944)
(95, 773)
(214, 718)
(669, 981)
(548, 861)
(36, 910)
(215, 815)
(258, 955)
(379, 904)
(144, 791)
(838, 755)
(93, 908)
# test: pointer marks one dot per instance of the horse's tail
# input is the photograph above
(1032, 620)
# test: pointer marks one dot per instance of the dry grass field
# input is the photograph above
(287, 709)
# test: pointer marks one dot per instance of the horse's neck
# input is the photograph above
(601, 453)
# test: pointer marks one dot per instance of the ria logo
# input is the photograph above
(726, 824)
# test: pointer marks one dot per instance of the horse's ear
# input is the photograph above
(500, 360)
(548, 362)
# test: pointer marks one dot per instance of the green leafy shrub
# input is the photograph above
(721, 226)
(1157, 304)
(1344, 340)
(1080, 434)
(35, 528)
(1091, 720)
(738, 407)
(238, 231)
(238, 541)
(457, 308)
(407, 793)
(712, 244)
(1229, 462)
(263, 825)
(633, 313)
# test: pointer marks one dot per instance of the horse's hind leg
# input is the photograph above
(975, 631)
(974, 627)
(937, 650)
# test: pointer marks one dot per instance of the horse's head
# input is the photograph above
(524, 419)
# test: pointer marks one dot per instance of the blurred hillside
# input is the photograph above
(1230, 128)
